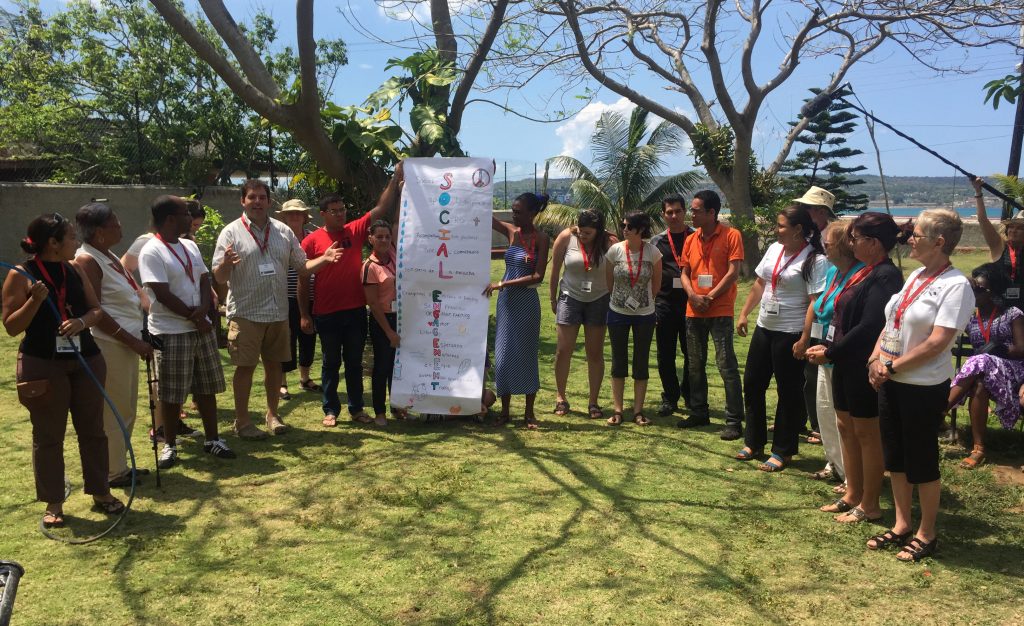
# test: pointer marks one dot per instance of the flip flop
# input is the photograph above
(53, 520)
(330, 421)
(771, 468)
(858, 516)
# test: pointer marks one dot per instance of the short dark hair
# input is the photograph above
(90, 217)
(673, 198)
(709, 199)
(41, 229)
(195, 208)
(380, 224)
(253, 183)
(878, 226)
(639, 222)
(163, 207)
(997, 277)
(328, 200)
(534, 202)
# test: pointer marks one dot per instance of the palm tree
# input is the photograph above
(626, 167)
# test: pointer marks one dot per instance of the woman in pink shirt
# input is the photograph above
(379, 285)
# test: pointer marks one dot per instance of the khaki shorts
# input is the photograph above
(248, 341)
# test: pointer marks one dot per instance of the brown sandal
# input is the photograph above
(561, 407)
(53, 520)
(976, 458)
(595, 412)
(641, 420)
(615, 419)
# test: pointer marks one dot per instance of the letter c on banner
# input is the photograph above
(443, 217)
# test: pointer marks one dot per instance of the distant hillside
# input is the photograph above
(903, 190)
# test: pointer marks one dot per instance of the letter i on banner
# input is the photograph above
(444, 263)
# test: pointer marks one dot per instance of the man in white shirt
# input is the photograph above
(178, 285)
(252, 257)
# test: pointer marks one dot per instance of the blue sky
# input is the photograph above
(943, 112)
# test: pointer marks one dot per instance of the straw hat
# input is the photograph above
(295, 205)
(816, 196)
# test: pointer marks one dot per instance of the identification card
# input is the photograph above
(394, 306)
(1012, 293)
(677, 283)
(771, 307)
(831, 332)
(891, 344)
(632, 304)
(704, 281)
(267, 269)
(66, 344)
(816, 331)
(586, 286)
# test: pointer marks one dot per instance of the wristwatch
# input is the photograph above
(888, 365)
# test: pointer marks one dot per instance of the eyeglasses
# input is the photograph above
(979, 289)
(917, 235)
(334, 211)
(625, 226)
(856, 238)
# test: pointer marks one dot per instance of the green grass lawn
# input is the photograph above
(465, 523)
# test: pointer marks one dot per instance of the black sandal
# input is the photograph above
(839, 506)
(308, 385)
(888, 538)
(53, 520)
(561, 407)
(595, 412)
(917, 550)
(110, 507)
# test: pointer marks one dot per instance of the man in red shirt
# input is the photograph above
(709, 267)
(339, 305)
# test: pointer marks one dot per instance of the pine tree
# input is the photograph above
(820, 163)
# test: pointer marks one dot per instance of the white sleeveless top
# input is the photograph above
(117, 297)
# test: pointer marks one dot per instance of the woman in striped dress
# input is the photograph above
(517, 333)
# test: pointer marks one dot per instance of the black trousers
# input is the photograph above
(302, 345)
(771, 353)
(670, 338)
(383, 362)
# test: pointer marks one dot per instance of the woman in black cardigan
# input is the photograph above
(858, 320)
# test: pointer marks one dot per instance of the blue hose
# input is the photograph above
(120, 422)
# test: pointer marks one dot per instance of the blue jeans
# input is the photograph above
(342, 338)
(720, 329)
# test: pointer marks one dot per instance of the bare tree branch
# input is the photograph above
(240, 47)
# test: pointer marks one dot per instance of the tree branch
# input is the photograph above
(246, 56)
(309, 97)
(459, 100)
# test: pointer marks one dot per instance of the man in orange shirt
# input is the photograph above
(710, 266)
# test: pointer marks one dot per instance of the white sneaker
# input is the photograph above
(168, 457)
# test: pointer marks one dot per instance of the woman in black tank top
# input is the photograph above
(51, 379)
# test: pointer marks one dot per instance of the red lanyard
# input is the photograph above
(861, 274)
(62, 292)
(530, 249)
(672, 244)
(185, 266)
(776, 272)
(583, 253)
(910, 296)
(266, 236)
(986, 332)
(120, 270)
(836, 281)
(1013, 262)
(629, 263)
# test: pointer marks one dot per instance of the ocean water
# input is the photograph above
(909, 211)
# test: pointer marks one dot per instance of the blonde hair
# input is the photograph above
(945, 223)
(842, 237)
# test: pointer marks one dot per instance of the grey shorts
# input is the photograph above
(571, 312)
(188, 362)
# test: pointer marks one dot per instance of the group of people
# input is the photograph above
(849, 344)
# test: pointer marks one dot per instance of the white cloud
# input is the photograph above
(420, 9)
(575, 134)
(365, 66)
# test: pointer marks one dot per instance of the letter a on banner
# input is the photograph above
(444, 264)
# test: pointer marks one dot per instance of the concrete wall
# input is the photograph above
(20, 203)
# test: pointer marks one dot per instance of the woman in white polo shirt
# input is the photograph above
(911, 366)
(789, 278)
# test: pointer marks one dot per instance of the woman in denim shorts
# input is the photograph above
(579, 296)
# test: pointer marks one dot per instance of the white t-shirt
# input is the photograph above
(158, 265)
(793, 293)
(947, 302)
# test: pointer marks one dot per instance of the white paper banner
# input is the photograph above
(444, 264)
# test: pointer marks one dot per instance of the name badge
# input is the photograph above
(1012, 293)
(632, 304)
(704, 281)
(816, 330)
(891, 343)
(585, 286)
(267, 269)
(831, 332)
(393, 306)
(66, 344)
(677, 283)
(771, 307)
